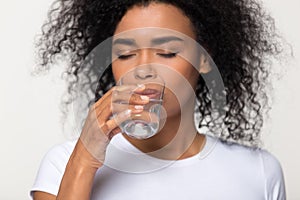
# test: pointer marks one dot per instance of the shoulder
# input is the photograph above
(266, 160)
(61, 150)
(274, 178)
(52, 168)
(238, 153)
(270, 163)
(246, 151)
(259, 162)
(58, 155)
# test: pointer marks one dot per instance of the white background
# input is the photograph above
(29, 112)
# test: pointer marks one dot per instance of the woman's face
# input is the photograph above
(137, 45)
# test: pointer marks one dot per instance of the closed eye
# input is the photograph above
(167, 55)
(124, 57)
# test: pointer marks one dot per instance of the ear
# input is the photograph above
(204, 64)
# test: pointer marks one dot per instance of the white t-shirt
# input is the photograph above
(219, 172)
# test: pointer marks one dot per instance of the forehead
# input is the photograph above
(151, 37)
(158, 15)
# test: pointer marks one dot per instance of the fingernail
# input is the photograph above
(145, 98)
(138, 107)
(140, 85)
(127, 112)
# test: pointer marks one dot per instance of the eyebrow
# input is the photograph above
(162, 40)
(130, 42)
(155, 41)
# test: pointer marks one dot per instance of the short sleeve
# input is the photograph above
(274, 178)
(52, 168)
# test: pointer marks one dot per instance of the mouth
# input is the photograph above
(151, 93)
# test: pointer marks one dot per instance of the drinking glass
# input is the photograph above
(144, 124)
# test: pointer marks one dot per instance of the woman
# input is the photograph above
(237, 35)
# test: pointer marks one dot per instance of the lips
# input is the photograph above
(151, 93)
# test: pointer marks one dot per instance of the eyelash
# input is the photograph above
(123, 57)
(168, 55)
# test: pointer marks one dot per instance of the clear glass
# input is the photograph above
(146, 123)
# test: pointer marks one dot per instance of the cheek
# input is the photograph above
(170, 102)
(118, 71)
(192, 75)
(180, 87)
(181, 74)
(115, 72)
(175, 102)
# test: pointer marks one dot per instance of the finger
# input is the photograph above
(103, 98)
(98, 115)
(115, 121)
(132, 98)
(135, 109)
(129, 88)
(114, 132)
(119, 89)
(103, 113)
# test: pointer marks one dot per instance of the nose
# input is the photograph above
(144, 72)
(144, 69)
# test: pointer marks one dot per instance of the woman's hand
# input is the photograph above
(103, 118)
(88, 155)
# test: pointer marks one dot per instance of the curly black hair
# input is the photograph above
(239, 36)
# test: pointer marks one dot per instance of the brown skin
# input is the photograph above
(82, 165)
